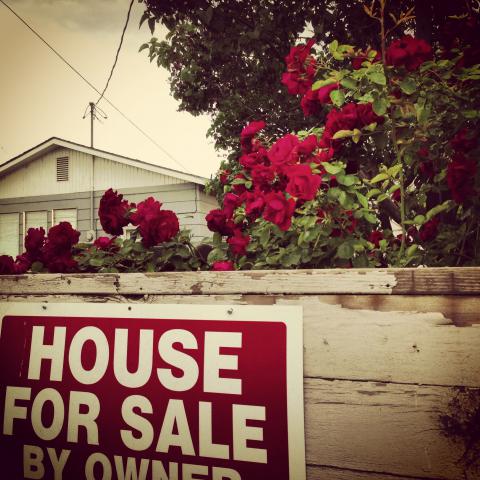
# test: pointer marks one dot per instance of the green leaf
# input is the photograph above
(379, 177)
(151, 24)
(373, 193)
(347, 180)
(338, 97)
(342, 134)
(411, 250)
(332, 168)
(349, 83)
(356, 135)
(345, 251)
(419, 220)
(369, 217)
(377, 77)
(332, 47)
(96, 262)
(362, 199)
(265, 237)
(36, 267)
(438, 209)
(215, 255)
(380, 106)
(408, 85)
(395, 170)
(143, 47)
(322, 83)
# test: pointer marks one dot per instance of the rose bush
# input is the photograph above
(389, 177)
(162, 245)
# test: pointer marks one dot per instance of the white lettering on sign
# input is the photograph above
(181, 360)
(145, 353)
(54, 352)
(84, 335)
(33, 458)
(215, 361)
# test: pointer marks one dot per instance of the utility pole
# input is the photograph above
(92, 115)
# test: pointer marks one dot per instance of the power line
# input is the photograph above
(118, 52)
(64, 60)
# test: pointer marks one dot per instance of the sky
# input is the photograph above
(42, 98)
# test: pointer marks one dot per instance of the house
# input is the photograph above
(60, 180)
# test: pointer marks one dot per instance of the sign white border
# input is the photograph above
(291, 316)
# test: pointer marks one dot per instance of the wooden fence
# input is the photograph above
(382, 351)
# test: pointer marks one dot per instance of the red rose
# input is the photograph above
(279, 210)
(396, 195)
(366, 115)
(60, 240)
(22, 264)
(230, 203)
(222, 266)
(300, 69)
(239, 188)
(423, 152)
(34, 242)
(428, 231)
(159, 227)
(105, 243)
(252, 159)
(463, 141)
(298, 55)
(7, 265)
(427, 170)
(248, 132)
(262, 175)
(57, 251)
(375, 237)
(283, 151)
(302, 183)
(224, 176)
(238, 243)
(146, 211)
(217, 221)
(313, 100)
(408, 52)
(307, 146)
(461, 174)
(113, 212)
(325, 155)
(63, 263)
(254, 205)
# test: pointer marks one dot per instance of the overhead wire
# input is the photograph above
(64, 60)
(117, 54)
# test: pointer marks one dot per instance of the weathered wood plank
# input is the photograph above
(427, 281)
(329, 473)
(357, 343)
(379, 427)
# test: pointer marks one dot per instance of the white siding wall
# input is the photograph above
(39, 176)
(108, 173)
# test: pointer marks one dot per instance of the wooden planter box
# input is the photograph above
(382, 351)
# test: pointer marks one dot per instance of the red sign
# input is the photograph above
(151, 392)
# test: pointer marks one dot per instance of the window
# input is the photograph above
(66, 215)
(62, 169)
(35, 220)
(9, 234)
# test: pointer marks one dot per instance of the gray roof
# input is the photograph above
(55, 142)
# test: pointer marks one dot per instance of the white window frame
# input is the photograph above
(15, 252)
(54, 222)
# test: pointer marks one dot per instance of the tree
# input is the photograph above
(226, 57)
